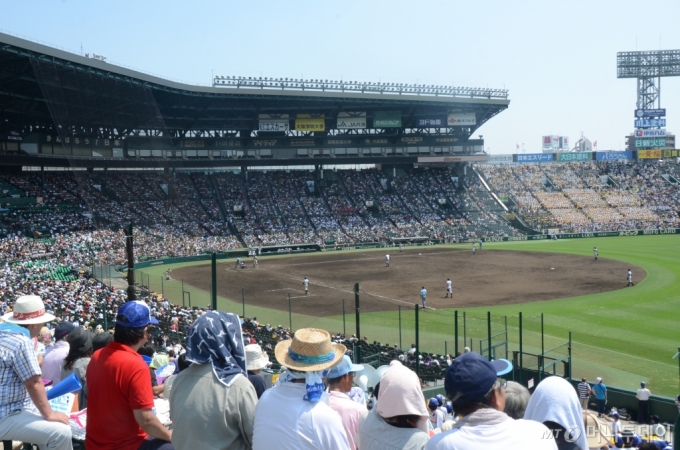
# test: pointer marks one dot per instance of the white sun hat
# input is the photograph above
(28, 309)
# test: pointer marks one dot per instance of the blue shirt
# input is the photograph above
(423, 293)
(18, 363)
(600, 390)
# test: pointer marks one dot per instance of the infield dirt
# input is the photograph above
(489, 277)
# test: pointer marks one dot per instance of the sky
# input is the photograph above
(557, 59)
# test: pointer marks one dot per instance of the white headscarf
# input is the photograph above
(555, 400)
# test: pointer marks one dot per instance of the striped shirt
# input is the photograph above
(583, 390)
(17, 364)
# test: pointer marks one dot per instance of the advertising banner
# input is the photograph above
(650, 133)
(430, 121)
(650, 123)
(500, 159)
(535, 157)
(453, 159)
(564, 142)
(304, 122)
(461, 119)
(387, 119)
(650, 112)
(547, 142)
(351, 120)
(650, 143)
(274, 122)
(650, 154)
(574, 156)
(613, 156)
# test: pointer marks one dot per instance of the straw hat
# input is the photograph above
(310, 350)
(28, 309)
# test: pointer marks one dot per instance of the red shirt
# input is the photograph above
(118, 382)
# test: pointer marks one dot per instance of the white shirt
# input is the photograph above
(508, 435)
(387, 258)
(616, 428)
(643, 394)
(284, 421)
(448, 284)
(436, 418)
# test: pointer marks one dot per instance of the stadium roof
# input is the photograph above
(48, 89)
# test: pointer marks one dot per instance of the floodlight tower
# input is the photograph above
(648, 68)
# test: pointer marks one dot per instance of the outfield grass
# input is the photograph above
(626, 336)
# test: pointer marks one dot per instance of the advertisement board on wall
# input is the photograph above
(387, 119)
(613, 156)
(500, 159)
(453, 159)
(650, 143)
(534, 157)
(461, 119)
(555, 143)
(305, 122)
(650, 133)
(351, 120)
(430, 121)
(650, 154)
(650, 123)
(650, 112)
(574, 156)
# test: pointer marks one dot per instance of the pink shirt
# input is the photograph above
(350, 413)
(54, 361)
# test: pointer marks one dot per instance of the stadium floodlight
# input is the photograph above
(648, 67)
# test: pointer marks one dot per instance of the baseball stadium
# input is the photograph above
(119, 185)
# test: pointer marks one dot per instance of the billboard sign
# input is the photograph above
(453, 159)
(650, 154)
(351, 120)
(461, 119)
(650, 143)
(430, 121)
(650, 123)
(535, 157)
(650, 133)
(643, 113)
(274, 122)
(387, 119)
(613, 156)
(305, 122)
(500, 159)
(574, 156)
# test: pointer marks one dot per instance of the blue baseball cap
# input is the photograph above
(344, 367)
(471, 376)
(433, 403)
(135, 314)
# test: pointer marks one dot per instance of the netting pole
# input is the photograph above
(542, 337)
(129, 250)
(213, 299)
(290, 316)
(569, 374)
(455, 327)
(162, 286)
(344, 328)
(488, 327)
(464, 329)
(417, 344)
(243, 301)
(400, 346)
(357, 309)
(506, 337)
(521, 365)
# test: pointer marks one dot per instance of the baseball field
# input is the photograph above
(624, 334)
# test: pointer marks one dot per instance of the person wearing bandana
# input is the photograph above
(295, 413)
(213, 403)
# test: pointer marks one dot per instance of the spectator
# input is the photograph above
(54, 360)
(77, 360)
(516, 399)
(294, 414)
(213, 403)
(119, 413)
(399, 420)
(148, 351)
(182, 364)
(643, 402)
(340, 381)
(600, 390)
(22, 388)
(256, 360)
(584, 392)
(101, 340)
(555, 404)
(478, 396)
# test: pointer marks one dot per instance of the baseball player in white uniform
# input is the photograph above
(449, 288)
(474, 247)
(630, 278)
(595, 253)
(255, 262)
(238, 262)
(305, 284)
(387, 260)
